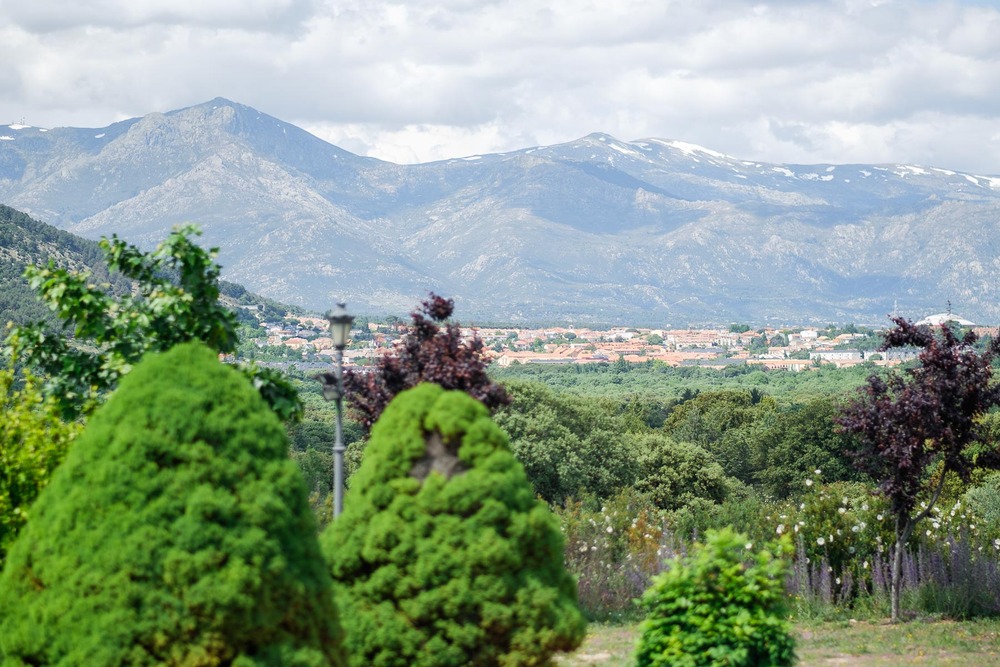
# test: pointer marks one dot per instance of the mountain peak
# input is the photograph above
(689, 149)
(596, 229)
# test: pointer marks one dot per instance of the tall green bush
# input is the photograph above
(722, 605)
(443, 555)
(176, 532)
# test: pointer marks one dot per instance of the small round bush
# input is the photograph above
(723, 605)
(443, 555)
(176, 532)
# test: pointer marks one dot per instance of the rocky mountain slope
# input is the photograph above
(595, 230)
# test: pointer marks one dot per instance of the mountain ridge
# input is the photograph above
(596, 230)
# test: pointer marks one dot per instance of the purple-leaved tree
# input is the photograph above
(915, 428)
(431, 351)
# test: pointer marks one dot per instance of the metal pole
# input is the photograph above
(338, 445)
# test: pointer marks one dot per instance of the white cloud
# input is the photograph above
(803, 81)
(44, 16)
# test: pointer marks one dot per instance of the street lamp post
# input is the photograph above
(333, 389)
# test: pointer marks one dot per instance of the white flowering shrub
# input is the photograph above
(614, 551)
(844, 536)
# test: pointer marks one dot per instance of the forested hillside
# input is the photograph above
(25, 241)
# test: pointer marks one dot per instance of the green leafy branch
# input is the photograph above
(175, 299)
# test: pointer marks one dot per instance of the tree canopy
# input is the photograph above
(176, 300)
(570, 446)
(432, 350)
(916, 427)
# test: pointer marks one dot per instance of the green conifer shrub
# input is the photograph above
(722, 605)
(443, 556)
(176, 532)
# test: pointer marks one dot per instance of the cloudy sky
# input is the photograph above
(803, 81)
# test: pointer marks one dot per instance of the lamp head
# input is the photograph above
(340, 325)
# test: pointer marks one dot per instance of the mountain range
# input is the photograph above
(597, 230)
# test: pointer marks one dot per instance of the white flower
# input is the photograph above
(818, 471)
(879, 517)
(610, 529)
(936, 524)
(842, 510)
(820, 541)
(749, 546)
(865, 507)
(780, 529)
(809, 482)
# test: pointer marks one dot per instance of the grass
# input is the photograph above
(859, 644)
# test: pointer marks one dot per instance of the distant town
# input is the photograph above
(792, 349)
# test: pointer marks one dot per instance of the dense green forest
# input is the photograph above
(662, 382)
(25, 241)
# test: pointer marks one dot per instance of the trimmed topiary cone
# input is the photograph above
(443, 555)
(176, 532)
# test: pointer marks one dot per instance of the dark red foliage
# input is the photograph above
(431, 351)
(905, 423)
